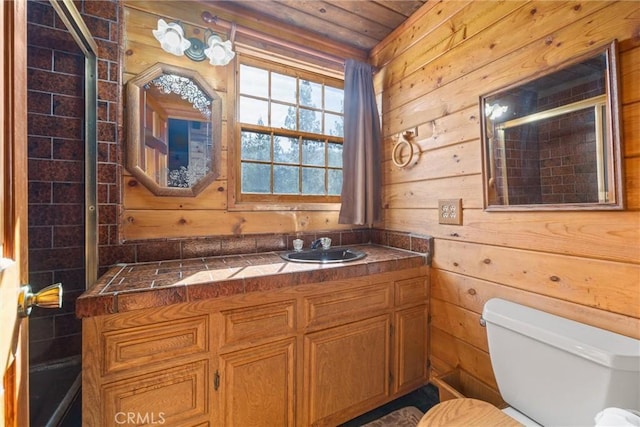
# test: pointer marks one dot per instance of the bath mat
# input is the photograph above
(409, 416)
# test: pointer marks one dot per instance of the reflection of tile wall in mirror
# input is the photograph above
(553, 142)
(553, 161)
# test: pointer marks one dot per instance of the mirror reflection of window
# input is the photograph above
(174, 130)
(189, 152)
(175, 144)
(550, 141)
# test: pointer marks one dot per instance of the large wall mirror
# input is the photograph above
(173, 135)
(554, 142)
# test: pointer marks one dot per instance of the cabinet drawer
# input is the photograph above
(259, 321)
(411, 291)
(346, 305)
(172, 397)
(151, 344)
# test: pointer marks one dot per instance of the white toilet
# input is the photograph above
(557, 372)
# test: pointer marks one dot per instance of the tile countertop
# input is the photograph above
(127, 287)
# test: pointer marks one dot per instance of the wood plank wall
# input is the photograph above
(581, 265)
(146, 216)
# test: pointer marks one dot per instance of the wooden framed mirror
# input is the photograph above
(553, 142)
(174, 130)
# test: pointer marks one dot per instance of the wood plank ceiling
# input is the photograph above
(358, 25)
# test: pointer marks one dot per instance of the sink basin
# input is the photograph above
(321, 256)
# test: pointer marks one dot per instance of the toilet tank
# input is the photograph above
(556, 371)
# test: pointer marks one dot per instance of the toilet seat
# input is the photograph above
(520, 417)
(466, 412)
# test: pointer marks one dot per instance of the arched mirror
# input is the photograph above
(173, 135)
(553, 143)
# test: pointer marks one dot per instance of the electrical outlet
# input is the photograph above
(450, 211)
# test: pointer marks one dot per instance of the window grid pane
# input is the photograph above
(334, 182)
(256, 178)
(286, 179)
(313, 152)
(277, 163)
(313, 181)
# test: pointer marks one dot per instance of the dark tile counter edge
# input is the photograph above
(91, 304)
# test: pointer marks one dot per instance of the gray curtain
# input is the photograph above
(361, 154)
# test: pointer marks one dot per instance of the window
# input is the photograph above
(291, 134)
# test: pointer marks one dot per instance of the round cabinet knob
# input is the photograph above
(49, 297)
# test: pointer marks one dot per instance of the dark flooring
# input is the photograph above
(53, 400)
(424, 398)
(53, 388)
(73, 416)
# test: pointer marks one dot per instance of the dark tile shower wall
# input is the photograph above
(522, 158)
(56, 162)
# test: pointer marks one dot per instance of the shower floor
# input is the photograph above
(54, 392)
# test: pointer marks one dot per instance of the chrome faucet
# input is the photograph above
(316, 243)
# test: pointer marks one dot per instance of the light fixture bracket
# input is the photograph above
(196, 50)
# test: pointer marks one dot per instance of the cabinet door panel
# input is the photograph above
(175, 397)
(259, 385)
(411, 348)
(346, 366)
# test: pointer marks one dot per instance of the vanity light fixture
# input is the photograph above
(172, 39)
(495, 111)
(219, 52)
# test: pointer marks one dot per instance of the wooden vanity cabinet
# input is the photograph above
(149, 367)
(258, 386)
(346, 351)
(410, 334)
(364, 346)
(347, 370)
(317, 354)
(258, 357)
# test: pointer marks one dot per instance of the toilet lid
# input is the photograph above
(520, 417)
(466, 412)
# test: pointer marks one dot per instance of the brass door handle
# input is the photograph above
(49, 297)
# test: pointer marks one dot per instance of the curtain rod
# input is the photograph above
(211, 19)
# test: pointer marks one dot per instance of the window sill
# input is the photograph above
(265, 206)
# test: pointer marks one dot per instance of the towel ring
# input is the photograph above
(397, 150)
